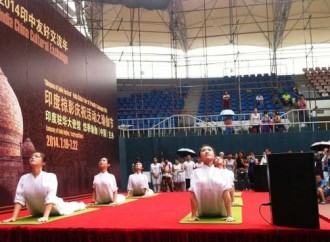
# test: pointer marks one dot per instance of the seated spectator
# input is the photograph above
(255, 121)
(266, 123)
(259, 99)
(280, 88)
(286, 99)
(277, 120)
(322, 189)
(276, 101)
(229, 125)
(295, 95)
(226, 100)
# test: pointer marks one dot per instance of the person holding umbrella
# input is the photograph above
(228, 120)
(188, 164)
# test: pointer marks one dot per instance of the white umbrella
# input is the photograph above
(185, 151)
(227, 112)
(321, 145)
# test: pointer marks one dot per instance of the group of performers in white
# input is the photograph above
(211, 186)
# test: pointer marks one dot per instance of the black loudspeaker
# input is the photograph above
(260, 183)
(292, 190)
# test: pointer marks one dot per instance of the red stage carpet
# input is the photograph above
(156, 219)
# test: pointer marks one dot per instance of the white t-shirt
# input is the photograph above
(208, 185)
(156, 168)
(188, 168)
(105, 185)
(259, 98)
(137, 183)
(36, 192)
(255, 118)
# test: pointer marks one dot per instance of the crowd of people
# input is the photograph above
(266, 123)
(211, 180)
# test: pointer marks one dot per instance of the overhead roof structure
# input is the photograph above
(203, 23)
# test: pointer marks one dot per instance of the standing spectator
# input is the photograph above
(167, 181)
(156, 174)
(266, 123)
(302, 106)
(252, 162)
(178, 176)
(277, 120)
(220, 163)
(226, 100)
(259, 100)
(295, 95)
(255, 121)
(199, 163)
(189, 166)
(263, 160)
(242, 172)
(318, 163)
(230, 162)
(325, 164)
(229, 125)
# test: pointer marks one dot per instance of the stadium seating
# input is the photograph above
(319, 78)
(150, 106)
(250, 85)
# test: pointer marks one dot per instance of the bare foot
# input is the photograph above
(193, 219)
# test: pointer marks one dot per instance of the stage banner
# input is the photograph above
(57, 95)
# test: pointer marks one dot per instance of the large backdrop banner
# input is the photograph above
(57, 96)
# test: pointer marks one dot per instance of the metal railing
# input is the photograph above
(294, 120)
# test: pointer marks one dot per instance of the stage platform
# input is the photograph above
(156, 219)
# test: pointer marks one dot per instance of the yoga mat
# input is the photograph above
(236, 211)
(33, 220)
(238, 202)
(128, 200)
(138, 197)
